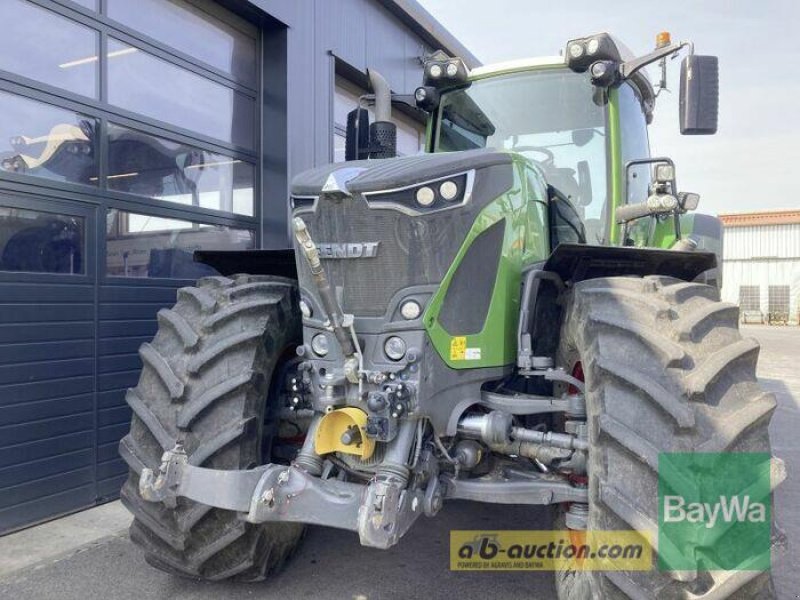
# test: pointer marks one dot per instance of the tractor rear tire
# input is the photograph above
(666, 370)
(205, 382)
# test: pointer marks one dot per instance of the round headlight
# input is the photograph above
(448, 190)
(452, 70)
(592, 46)
(575, 50)
(599, 69)
(420, 94)
(436, 71)
(425, 196)
(410, 310)
(305, 309)
(319, 344)
(395, 348)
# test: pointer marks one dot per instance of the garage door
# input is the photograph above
(128, 139)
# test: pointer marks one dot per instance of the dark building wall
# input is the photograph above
(356, 34)
(69, 337)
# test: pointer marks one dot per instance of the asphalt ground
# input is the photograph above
(332, 565)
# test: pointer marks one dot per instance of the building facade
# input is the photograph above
(131, 134)
(761, 265)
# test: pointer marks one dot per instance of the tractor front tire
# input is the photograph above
(205, 383)
(666, 370)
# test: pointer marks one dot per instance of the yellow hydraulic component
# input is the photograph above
(344, 430)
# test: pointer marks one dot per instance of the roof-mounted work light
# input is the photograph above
(442, 71)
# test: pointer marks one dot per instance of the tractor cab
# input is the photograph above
(551, 116)
(580, 120)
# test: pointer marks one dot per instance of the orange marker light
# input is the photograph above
(663, 39)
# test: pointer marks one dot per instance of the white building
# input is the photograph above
(761, 265)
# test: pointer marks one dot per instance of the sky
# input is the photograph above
(749, 164)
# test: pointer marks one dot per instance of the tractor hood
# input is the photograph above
(387, 174)
(377, 241)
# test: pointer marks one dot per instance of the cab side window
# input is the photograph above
(566, 225)
(635, 143)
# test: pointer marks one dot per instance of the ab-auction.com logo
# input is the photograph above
(549, 550)
(714, 511)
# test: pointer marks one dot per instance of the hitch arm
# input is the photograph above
(231, 490)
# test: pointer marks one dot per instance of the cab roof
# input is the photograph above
(521, 64)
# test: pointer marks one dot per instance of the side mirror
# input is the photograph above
(356, 145)
(699, 95)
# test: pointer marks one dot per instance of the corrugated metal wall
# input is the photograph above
(361, 33)
(762, 241)
(762, 255)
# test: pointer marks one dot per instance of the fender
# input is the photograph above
(542, 284)
(576, 262)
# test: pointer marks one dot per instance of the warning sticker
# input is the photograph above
(472, 354)
(458, 348)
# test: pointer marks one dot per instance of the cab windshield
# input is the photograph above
(551, 116)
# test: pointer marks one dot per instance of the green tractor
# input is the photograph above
(520, 315)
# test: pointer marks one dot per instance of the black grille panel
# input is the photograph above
(413, 250)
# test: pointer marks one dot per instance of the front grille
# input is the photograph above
(413, 250)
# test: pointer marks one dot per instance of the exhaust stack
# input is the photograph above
(382, 133)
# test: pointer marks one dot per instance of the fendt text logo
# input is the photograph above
(714, 511)
(348, 250)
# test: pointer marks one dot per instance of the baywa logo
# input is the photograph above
(728, 509)
(714, 511)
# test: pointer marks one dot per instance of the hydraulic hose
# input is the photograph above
(326, 293)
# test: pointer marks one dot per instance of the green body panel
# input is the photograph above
(616, 168)
(524, 241)
(664, 233)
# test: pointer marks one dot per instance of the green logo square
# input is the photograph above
(714, 511)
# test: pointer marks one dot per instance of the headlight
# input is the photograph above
(395, 348)
(319, 344)
(444, 193)
(592, 46)
(425, 196)
(448, 190)
(410, 310)
(452, 69)
(665, 173)
(575, 50)
(599, 69)
(436, 71)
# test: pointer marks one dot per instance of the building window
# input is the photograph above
(42, 140)
(227, 47)
(163, 169)
(139, 245)
(142, 83)
(42, 45)
(41, 242)
(749, 298)
(410, 133)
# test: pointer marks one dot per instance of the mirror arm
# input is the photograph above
(627, 69)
